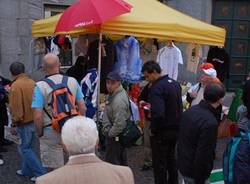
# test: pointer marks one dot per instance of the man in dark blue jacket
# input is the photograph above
(166, 109)
(198, 136)
(3, 111)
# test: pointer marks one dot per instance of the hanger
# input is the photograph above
(170, 44)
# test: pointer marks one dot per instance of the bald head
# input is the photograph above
(51, 64)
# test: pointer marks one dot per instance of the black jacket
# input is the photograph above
(197, 142)
(221, 61)
(3, 101)
(166, 105)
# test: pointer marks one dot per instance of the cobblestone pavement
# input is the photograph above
(135, 155)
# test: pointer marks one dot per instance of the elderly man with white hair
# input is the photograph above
(80, 137)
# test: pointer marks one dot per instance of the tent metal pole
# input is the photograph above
(99, 75)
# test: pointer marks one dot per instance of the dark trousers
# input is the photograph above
(3, 120)
(164, 159)
(1, 132)
(115, 152)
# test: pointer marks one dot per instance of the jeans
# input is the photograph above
(164, 159)
(31, 164)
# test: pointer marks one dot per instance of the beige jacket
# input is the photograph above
(88, 170)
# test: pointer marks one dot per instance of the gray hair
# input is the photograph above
(80, 135)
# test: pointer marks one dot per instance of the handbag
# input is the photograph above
(224, 128)
(131, 133)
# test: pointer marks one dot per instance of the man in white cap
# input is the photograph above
(209, 75)
(80, 137)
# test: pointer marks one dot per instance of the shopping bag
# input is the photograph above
(224, 128)
(130, 134)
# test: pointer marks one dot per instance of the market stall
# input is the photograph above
(142, 22)
(147, 19)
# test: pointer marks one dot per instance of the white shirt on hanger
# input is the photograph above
(169, 58)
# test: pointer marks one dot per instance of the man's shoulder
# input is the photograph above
(72, 80)
(201, 115)
(199, 111)
(165, 82)
(52, 176)
(59, 175)
(56, 79)
(20, 83)
(120, 98)
(121, 171)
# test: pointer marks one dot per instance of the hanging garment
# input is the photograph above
(134, 92)
(79, 69)
(135, 112)
(108, 59)
(81, 45)
(148, 50)
(54, 49)
(221, 61)
(194, 53)
(89, 90)
(169, 58)
(128, 64)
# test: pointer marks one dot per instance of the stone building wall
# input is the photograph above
(16, 17)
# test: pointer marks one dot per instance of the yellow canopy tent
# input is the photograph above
(147, 19)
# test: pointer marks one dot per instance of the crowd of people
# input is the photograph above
(49, 117)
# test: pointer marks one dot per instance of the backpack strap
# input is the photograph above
(235, 143)
(52, 84)
(49, 82)
(65, 80)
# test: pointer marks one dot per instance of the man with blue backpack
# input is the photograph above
(236, 159)
(56, 99)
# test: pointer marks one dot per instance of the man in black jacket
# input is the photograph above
(166, 109)
(198, 136)
(3, 115)
(3, 111)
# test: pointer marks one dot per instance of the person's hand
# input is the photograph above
(193, 94)
(141, 102)
(13, 131)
